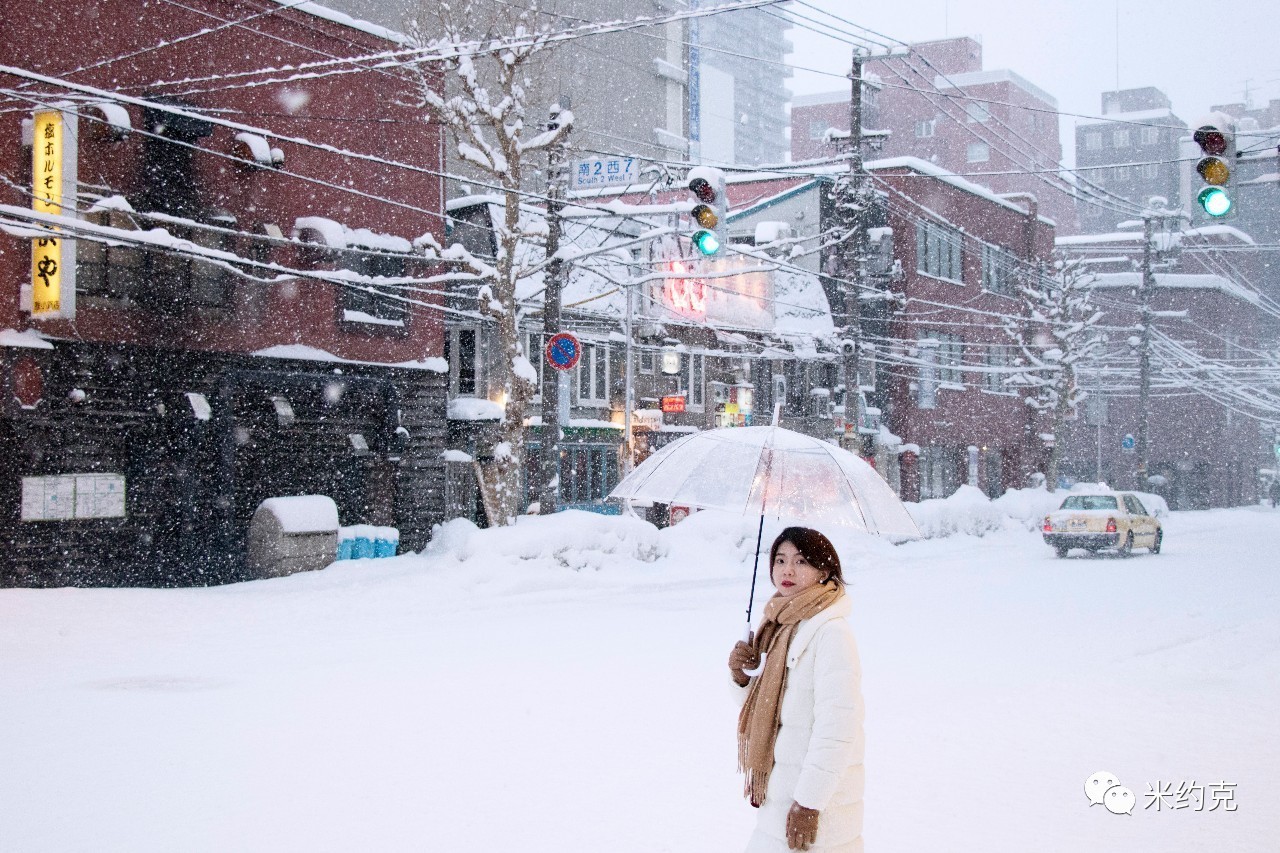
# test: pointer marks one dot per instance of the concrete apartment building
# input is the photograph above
(628, 90)
(740, 90)
(943, 107)
(1132, 152)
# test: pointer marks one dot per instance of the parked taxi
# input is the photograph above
(1111, 520)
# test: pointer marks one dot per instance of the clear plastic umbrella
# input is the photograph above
(774, 473)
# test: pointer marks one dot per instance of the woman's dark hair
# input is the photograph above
(814, 547)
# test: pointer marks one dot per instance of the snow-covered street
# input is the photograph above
(560, 686)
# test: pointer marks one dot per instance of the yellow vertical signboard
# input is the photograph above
(53, 153)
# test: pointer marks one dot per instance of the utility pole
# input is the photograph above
(853, 253)
(557, 173)
(1150, 219)
(1145, 292)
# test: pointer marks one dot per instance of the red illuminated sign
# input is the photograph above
(673, 405)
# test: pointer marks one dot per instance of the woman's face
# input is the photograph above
(791, 571)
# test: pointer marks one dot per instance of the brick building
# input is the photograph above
(942, 107)
(218, 353)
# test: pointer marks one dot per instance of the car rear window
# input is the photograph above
(1090, 502)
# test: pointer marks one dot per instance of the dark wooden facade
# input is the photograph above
(192, 483)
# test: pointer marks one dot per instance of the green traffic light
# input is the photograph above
(1214, 201)
(706, 242)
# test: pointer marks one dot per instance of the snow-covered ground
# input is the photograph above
(560, 686)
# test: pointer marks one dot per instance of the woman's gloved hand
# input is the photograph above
(743, 657)
(802, 827)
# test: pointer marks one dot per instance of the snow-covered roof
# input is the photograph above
(924, 167)
(336, 17)
(995, 75)
(838, 97)
(29, 339)
(1176, 281)
(1138, 116)
(1220, 233)
(303, 352)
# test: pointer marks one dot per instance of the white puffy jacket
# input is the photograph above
(818, 753)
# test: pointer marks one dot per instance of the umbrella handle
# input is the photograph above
(746, 635)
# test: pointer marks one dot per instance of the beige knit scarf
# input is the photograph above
(758, 723)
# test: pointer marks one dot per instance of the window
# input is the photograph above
(818, 128)
(109, 272)
(593, 375)
(946, 353)
(648, 359)
(463, 354)
(1093, 141)
(189, 282)
(939, 471)
(1150, 135)
(926, 128)
(978, 112)
(999, 271)
(1149, 170)
(1120, 138)
(372, 303)
(998, 357)
(939, 251)
(533, 346)
(1122, 173)
(978, 152)
(695, 376)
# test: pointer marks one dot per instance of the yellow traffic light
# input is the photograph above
(1214, 170)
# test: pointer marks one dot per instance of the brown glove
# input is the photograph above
(744, 656)
(802, 827)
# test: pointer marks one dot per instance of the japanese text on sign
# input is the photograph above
(53, 183)
(604, 172)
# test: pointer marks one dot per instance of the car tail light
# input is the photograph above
(1111, 525)
(1048, 525)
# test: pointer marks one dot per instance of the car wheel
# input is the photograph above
(1127, 548)
(1061, 551)
(1155, 545)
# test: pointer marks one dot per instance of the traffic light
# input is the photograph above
(712, 210)
(1216, 136)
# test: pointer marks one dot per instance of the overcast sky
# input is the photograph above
(1069, 48)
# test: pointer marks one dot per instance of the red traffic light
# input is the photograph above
(1211, 140)
(702, 188)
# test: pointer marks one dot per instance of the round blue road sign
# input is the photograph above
(563, 351)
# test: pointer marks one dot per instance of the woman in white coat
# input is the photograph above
(800, 741)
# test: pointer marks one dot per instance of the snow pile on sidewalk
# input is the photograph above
(970, 512)
(598, 541)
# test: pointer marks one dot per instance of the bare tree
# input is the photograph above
(486, 61)
(1055, 335)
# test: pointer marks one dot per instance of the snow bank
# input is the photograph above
(572, 539)
(971, 513)
(968, 511)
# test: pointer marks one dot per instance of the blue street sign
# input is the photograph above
(1128, 442)
(563, 351)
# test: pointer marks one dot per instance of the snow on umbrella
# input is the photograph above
(774, 473)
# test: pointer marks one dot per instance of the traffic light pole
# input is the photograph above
(549, 492)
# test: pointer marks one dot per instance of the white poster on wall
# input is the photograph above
(64, 497)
